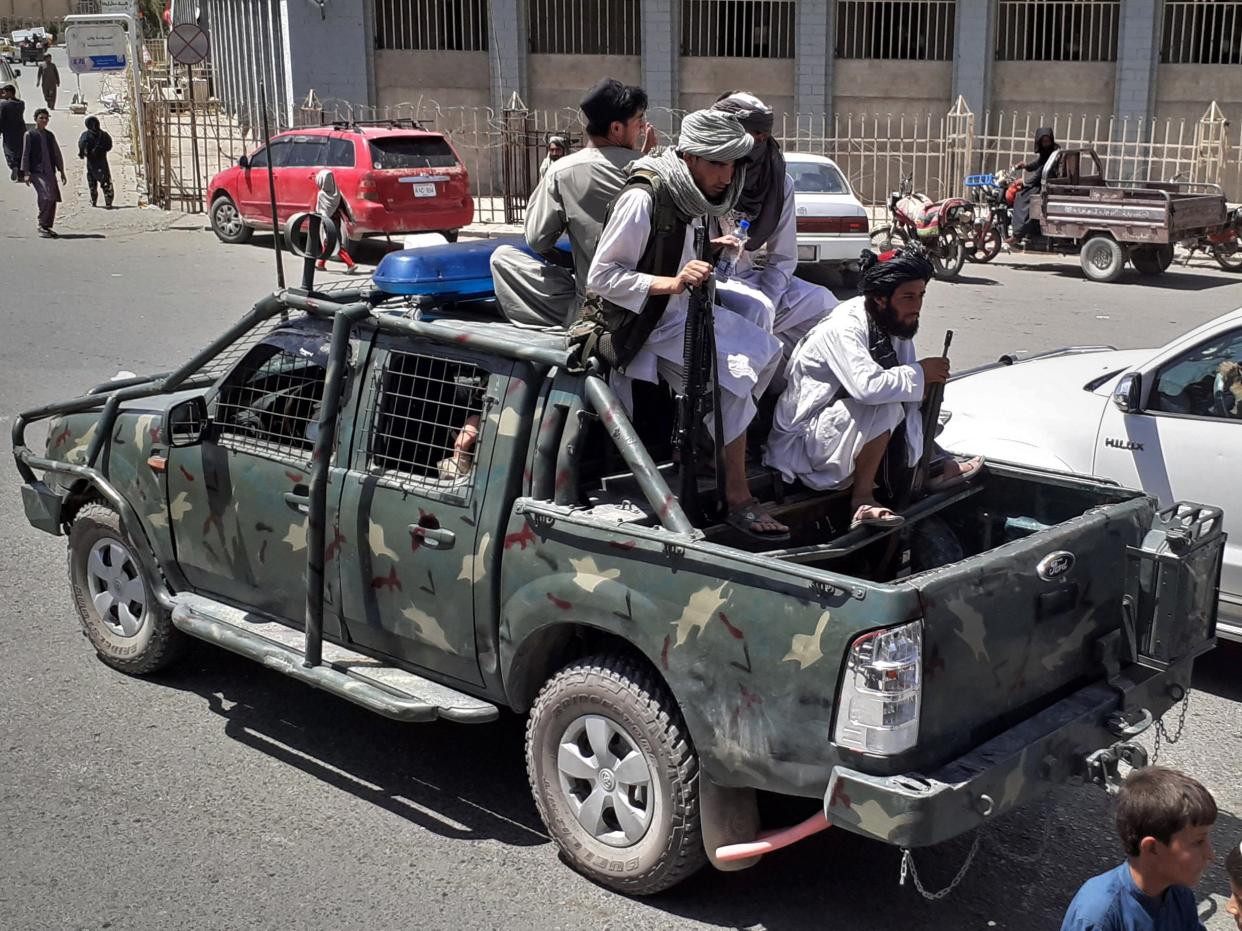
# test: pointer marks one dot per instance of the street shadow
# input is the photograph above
(970, 279)
(81, 236)
(1175, 279)
(466, 782)
(1217, 671)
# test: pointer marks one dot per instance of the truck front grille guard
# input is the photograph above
(346, 310)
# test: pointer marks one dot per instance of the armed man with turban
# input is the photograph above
(849, 414)
(643, 268)
(770, 295)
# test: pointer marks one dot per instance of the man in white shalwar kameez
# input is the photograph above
(769, 295)
(699, 175)
(572, 197)
(854, 384)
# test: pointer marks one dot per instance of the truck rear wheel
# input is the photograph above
(1102, 258)
(614, 775)
(1151, 260)
(128, 628)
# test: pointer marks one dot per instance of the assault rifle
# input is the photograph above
(700, 392)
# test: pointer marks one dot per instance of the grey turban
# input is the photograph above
(752, 112)
(715, 135)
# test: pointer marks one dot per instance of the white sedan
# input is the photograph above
(832, 223)
(1166, 420)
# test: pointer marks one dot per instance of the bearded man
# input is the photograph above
(769, 295)
(849, 414)
(645, 263)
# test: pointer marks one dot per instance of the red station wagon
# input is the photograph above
(393, 179)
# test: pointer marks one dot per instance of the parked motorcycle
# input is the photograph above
(1225, 245)
(943, 228)
(992, 219)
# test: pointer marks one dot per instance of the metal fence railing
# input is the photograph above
(502, 150)
(1201, 32)
(585, 27)
(737, 28)
(1057, 30)
(431, 25)
(907, 30)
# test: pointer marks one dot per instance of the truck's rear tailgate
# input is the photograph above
(1196, 212)
(1013, 629)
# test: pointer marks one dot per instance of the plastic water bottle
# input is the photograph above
(726, 265)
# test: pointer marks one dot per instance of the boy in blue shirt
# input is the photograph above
(1164, 819)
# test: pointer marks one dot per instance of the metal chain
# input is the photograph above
(1162, 733)
(908, 869)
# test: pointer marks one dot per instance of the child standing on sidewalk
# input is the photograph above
(94, 146)
(328, 205)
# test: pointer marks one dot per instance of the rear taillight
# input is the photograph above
(832, 225)
(368, 189)
(881, 691)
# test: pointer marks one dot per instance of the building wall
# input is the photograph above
(702, 80)
(1081, 88)
(1184, 92)
(557, 81)
(867, 87)
(34, 11)
(451, 79)
(326, 51)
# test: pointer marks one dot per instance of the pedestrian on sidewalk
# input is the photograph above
(12, 129)
(41, 163)
(49, 81)
(94, 146)
(328, 205)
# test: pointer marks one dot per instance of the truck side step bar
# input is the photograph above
(363, 680)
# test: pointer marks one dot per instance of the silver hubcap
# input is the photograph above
(228, 219)
(1100, 257)
(116, 587)
(606, 781)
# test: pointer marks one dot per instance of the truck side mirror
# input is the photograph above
(185, 423)
(243, 162)
(1128, 395)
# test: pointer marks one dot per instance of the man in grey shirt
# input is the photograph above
(572, 198)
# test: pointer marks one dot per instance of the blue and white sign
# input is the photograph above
(96, 47)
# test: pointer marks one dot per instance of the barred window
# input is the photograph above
(1201, 32)
(585, 27)
(431, 25)
(737, 28)
(1058, 30)
(428, 423)
(271, 402)
(905, 30)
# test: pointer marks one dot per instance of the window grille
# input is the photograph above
(428, 424)
(271, 402)
(585, 27)
(905, 30)
(431, 25)
(1201, 32)
(737, 28)
(1058, 30)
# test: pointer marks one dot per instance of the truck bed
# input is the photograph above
(1133, 212)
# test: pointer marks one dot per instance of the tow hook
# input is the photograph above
(1129, 724)
(1104, 766)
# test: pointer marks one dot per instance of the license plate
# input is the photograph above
(424, 190)
(807, 253)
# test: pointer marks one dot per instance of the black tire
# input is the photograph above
(948, 264)
(227, 223)
(986, 248)
(643, 719)
(155, 643)
(1228, 257)
(1151, 260)
(450, 235)
(1102, 258)
(884, 238)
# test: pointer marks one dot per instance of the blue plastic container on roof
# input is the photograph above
(454, 271)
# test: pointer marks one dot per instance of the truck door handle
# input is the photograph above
(299, 498)
(436, 538)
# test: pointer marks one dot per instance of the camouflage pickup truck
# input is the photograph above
(437, 515)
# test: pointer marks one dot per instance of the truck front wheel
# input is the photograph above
(128, 628)
(1102, 258)
(614, 775)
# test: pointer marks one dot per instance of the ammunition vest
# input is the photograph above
(610, 331)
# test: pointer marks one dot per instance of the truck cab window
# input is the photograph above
(1204, 382)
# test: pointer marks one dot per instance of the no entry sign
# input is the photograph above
(188, 44)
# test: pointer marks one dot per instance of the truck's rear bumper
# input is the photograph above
(1005, 773)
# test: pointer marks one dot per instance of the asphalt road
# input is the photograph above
(221, 795)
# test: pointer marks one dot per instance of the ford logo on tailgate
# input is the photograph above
(1055, 565)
